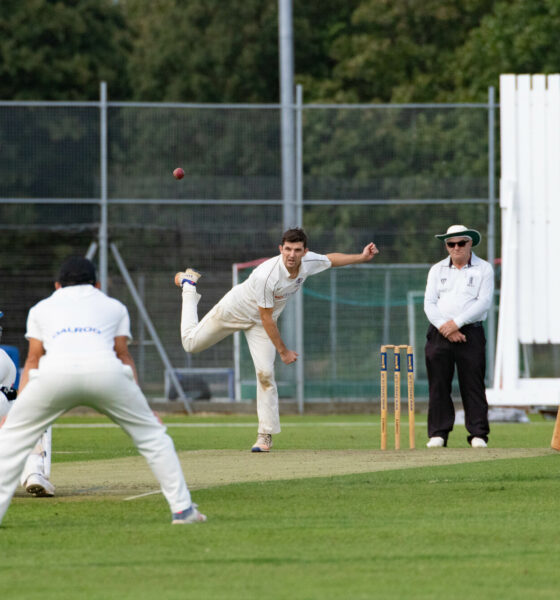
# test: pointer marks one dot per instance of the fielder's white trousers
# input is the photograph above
(108, 387)
(215, 326)
(39, 461)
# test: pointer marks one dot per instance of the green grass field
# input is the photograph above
(475, 530)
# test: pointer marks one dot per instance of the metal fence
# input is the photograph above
(76, 174)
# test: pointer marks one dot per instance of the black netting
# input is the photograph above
(228, 209)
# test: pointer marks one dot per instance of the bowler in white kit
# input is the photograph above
(78, 355)
(254, 307)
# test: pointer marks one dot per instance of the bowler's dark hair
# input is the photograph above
(295, 235)
(76, 270)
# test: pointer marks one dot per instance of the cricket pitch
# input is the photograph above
(131, 476)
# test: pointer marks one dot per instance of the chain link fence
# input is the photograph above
(74, 174)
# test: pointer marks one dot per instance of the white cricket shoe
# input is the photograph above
(477, 442)
(263, 443)
(436, 442)
(188, 516)
(39, 486)
(189, 276)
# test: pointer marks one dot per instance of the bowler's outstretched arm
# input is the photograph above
(338, 259)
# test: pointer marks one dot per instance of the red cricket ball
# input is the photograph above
(178, 173)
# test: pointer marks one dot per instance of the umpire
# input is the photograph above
(458, 295)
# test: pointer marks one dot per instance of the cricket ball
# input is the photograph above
(178, 173)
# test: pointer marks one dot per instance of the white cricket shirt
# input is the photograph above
(8, 372)
(464, 295)
(269, 286)
(77, 322)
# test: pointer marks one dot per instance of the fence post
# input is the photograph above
(103, 228)
(299, 155)
(286, 41)
(300, 316)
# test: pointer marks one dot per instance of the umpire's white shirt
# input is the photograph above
(77, 324)
(464, 295)
(270, 286)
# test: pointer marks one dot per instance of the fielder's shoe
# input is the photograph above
(39, 486)
(477, 442)
(436, 442)
(188, 516)
(263, 443)
(189, 276)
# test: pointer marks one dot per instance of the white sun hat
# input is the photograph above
(460, 231)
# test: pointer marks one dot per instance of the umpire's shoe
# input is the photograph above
(39, 486)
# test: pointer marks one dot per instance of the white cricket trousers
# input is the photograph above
(217, 325)
(107, 386)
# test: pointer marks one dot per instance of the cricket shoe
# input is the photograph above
(189, 276)
(477, 442)
(39, 486)
(263, 443)
(436, 442)
(188, 516)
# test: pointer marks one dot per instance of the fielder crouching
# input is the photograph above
(78, 355)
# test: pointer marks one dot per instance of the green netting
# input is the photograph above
(348, 313)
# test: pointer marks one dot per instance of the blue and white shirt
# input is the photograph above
(464, 295)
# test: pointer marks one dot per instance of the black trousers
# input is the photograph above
(470, 358)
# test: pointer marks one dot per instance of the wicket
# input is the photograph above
(410, 389)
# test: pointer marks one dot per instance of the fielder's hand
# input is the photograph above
(369, 251)
(9, 392)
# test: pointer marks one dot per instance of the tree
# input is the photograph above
(397, 50)
(518, 37)
(61, 50)
(204, 50)
(317, 25)
(215, 51)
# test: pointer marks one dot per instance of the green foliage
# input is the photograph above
(61, 50)
(397, 51)
(214, 51)
(437, 50)
(518, 37)
(317, 26)
(396, 153)
(204, 50)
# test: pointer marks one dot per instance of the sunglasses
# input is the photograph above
(461, 244)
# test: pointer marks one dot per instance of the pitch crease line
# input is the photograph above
(142, 495)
